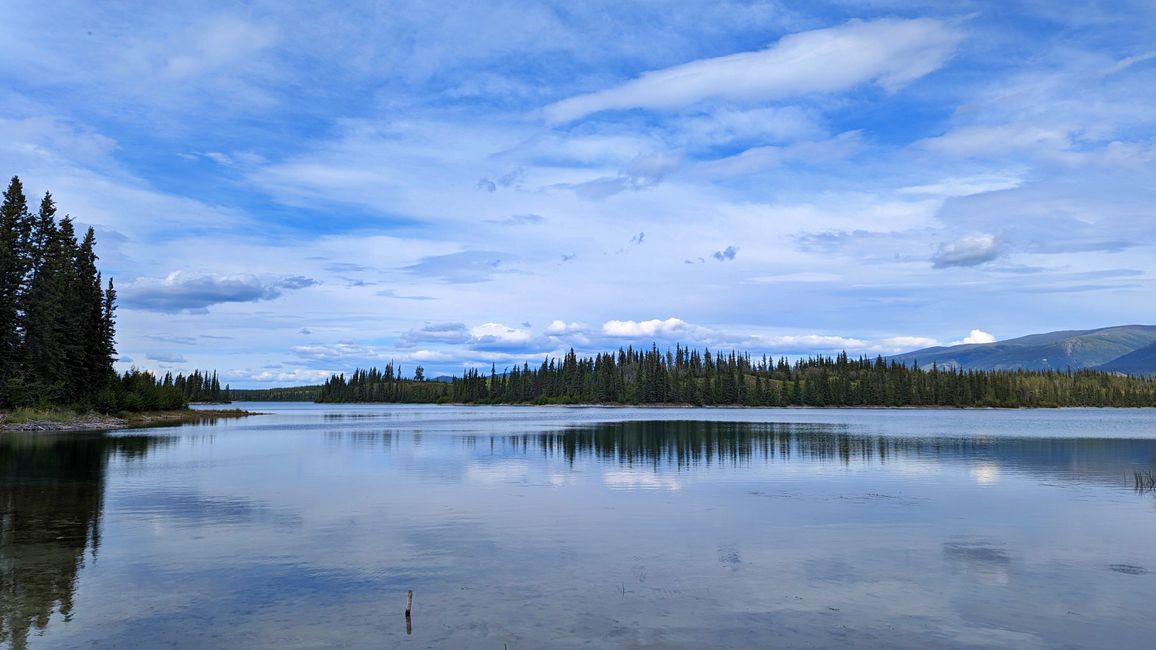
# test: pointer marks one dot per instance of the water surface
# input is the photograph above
(526, 527)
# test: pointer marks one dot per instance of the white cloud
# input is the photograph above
(294, 376)
(559, 328)
(342, 351)
(221, 42)
(904, 343)
(889, 53)
(648, 328)
(811, 342)
(974, 337)
(989, 140)
(185, 291)
(965, 185)
(1130, 61)
(498, 333)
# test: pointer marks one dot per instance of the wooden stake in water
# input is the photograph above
(408, 608)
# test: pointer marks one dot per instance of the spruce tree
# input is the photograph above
(15, 258)
(45, 347)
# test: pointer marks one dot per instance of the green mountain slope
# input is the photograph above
(1138, 362)
(1075, 349)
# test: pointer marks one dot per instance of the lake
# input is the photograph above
(549, 527)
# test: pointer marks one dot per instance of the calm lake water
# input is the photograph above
(525, 527)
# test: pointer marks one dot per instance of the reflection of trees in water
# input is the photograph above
(51, 494)
(691, 443)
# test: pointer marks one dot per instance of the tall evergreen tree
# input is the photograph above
(45, 349)
(15, 260)
(57, 325)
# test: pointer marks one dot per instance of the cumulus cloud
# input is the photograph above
(183, 291)
(726, 254)
(971, 250)
(559, 328)
(647, 328)
(888, 53)
(974, 337)
(495, 336)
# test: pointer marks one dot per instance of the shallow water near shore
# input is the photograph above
(531, 527)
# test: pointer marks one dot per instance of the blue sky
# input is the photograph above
(284, 190)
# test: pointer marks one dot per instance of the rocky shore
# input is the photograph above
(99, 422)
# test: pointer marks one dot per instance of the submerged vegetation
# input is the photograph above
(685, 376)
(1146, 480)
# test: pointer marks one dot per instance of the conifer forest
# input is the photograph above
(689, 377)
(58, 320)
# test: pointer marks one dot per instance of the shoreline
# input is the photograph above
(100, 422)
(679, 405)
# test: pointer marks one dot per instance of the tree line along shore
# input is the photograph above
(58, 332)
(684, 376)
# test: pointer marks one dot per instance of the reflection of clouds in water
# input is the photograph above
(915, 466)
(984, 561)
(634, 479)
(515, 471)
(190, 508)
(985, 473)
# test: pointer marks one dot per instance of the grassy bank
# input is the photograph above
(60, 419)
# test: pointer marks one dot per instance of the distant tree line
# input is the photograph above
(286, 394)
(385, 385)
(58, 321)
(685, 376)
(200, 386)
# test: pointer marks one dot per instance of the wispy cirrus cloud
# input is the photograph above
(856, 167)
(458, 268)
(889, 53)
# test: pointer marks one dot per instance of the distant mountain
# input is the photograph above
(1075, 349)
(1138, 362)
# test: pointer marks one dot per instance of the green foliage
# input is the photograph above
(57, 323)
(201, 386)
(138, 390)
